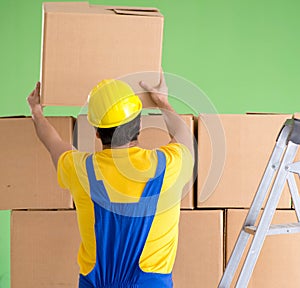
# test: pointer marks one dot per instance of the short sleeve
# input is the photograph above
(65, 169)
(180, 156)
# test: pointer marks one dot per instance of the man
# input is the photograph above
(127, 198)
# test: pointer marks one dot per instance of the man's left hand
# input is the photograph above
(34, 100)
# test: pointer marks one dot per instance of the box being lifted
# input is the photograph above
(83, 44)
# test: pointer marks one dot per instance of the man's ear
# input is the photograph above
(97, 134)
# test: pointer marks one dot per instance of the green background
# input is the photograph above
(244, 54)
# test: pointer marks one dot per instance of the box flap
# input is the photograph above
(137, 12)
(266, 113)
(11, 117)
(132, 8)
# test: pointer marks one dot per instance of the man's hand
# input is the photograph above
(177, 128)
(44, 130)
(159, 93)
(34, 100)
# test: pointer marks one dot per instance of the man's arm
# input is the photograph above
(44, 130)
(176, 126)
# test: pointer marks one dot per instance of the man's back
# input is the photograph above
(139, 227)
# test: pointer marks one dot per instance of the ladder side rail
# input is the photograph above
(264, 185)
(255, 208)
(271, 169)
(266, 218)
(234, 260)
(294, 193)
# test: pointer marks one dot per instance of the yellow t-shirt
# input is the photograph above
(125, 173)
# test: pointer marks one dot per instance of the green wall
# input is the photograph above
(243, 54)
(4, 249)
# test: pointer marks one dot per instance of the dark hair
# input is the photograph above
(120, 135)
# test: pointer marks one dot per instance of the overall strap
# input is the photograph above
(147, 203)
(158, 177)
(96, 184)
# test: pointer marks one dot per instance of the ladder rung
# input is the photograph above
(294, 168)
(276, 229)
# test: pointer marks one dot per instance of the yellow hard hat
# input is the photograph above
(112, 103)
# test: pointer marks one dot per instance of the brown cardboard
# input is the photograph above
(44, 247)
(83, 44)
(153, 134)
(278, 262)
(199, 260)
(297, 115)
(86, 135)
(28, 177)
(249, 143)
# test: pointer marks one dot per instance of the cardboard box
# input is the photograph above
(249, 141)
(153, 134)
(44, 247)
(28, 177)
(83, 44)
(199, 261)
(278, 262)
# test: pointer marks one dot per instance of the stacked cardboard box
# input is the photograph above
(278, 262)
(199, 260)
(29, 182)
(29, 178)
(249, 141)
(200, 252)
(45, 243)
(44, 247)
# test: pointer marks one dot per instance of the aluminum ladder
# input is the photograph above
(281, 166)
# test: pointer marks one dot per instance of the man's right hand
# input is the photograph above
(159, 93)
(178, 130)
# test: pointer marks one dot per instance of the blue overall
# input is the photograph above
(121, 231)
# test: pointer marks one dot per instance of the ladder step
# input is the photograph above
(276, 229)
